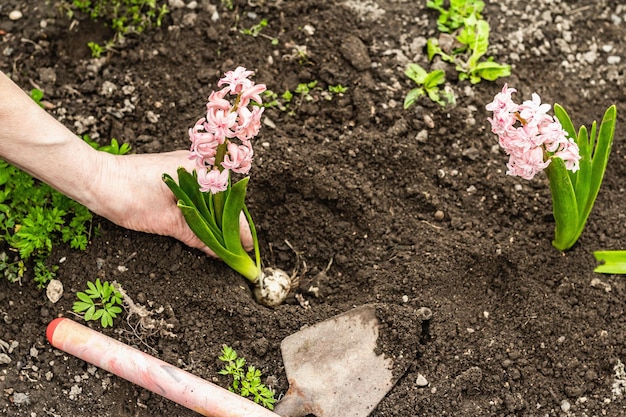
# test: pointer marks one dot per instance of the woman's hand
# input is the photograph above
(131, 193)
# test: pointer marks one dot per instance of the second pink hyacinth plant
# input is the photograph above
(574, 162)
(221, 144)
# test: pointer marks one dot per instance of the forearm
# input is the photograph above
(34, 141)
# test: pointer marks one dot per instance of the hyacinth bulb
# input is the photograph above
(272, 287)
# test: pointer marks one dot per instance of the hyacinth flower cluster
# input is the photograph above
(529, 135)
(574, 162)
(221, 144)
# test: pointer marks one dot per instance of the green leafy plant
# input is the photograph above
(610, 261)
(454, 16)
(574, 161)
(100, 301)
(33, 218)
(473, 41)
(123, 16)
(245, 382)
(209, 200)
(427, 84)
(574, 193)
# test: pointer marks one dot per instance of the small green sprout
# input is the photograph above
(304, 89)
(37, 95)
(100, 301)
(246, 383)
(453, 18)
(123, 16)
(337, 89)
(12, 269)
(255, 30)
(309, 91)
(113, 148)
(427, 84)
(472, 39)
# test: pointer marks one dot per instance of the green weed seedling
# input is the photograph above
(337, 89)
(246, 383)
(100, 301)
(255, 31)
(427, 84)
(113, 148)
(452, 18)
(37, 95)
(35, 217)
(471, 40)
(291, 100)
(123, 16)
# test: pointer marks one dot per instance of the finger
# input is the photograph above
(245, 233)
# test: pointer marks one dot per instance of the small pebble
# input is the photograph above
(54, 291)
(565, 405)
(428, 121)
(439, 215)
(176, 4)
(15, 15)
(614, 59)
(421, 381)
(19, 398)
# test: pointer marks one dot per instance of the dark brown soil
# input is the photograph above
(518, 328)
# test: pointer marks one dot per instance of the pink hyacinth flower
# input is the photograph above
(252, 93)
(239, 158)
(217, 101)
(529, 135)
(237, 80)
(502, 102)
(213, 180)
(533, 112)
(249, 123)
(570, 154)
(221, 123)
(527, 164)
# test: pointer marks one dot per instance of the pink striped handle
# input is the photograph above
(149, 372)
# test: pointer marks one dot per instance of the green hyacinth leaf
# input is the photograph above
(611, 262)
(240, 262)
(232, 208)
(564, 205)
(600, 157)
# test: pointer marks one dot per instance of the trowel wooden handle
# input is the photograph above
(149, 372)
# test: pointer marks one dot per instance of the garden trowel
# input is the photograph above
(333, 367)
